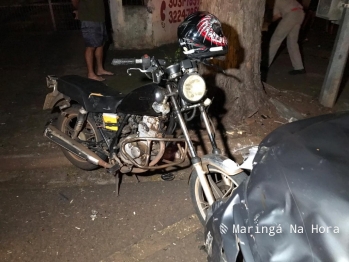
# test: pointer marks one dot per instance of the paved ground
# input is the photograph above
(47, 204)
(152, 219)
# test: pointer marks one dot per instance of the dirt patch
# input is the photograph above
(236, 140)
(268, 118)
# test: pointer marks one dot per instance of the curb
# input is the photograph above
(57, 159)
(32, 161)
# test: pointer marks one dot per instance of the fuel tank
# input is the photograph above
(140, 101)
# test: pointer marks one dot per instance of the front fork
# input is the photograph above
(195, 159)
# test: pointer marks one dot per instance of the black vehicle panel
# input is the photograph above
(297, 192)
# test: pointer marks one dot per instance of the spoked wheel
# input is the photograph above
(214, 176)
(88, 134)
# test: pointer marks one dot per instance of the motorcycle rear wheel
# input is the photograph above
(196, 192)
(89, 132)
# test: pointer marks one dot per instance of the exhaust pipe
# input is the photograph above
(63, 140)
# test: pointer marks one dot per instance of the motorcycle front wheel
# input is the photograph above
(197, 194)
(89, 133)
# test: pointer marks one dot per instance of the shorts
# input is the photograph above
(94, 33)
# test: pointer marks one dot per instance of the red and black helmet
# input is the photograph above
(201, 36)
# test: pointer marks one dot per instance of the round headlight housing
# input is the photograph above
(192, 88)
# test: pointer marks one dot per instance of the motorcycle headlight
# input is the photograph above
(192, 88)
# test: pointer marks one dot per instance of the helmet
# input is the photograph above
(200, 35)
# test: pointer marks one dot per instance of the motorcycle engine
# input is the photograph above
(148, 127)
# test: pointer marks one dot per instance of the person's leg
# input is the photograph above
(99, 62)
(93, 38)
(89, 57)
(100, 51)
(292, 42)
(293, 48)
(279, 35)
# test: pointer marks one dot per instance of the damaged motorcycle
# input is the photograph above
(98, 126)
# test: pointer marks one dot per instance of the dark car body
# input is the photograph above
(294, 206)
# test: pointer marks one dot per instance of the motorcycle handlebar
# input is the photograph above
(133, 61)
(126, 61)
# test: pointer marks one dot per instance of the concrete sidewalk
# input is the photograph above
(26, 59)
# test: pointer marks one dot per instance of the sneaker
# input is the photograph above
(297, 72)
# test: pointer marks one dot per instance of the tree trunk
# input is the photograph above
(242, 22)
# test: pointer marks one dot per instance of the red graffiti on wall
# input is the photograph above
(179, 10)
(162, 11)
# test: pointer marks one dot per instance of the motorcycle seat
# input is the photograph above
(93, 95)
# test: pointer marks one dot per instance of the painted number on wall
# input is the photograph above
(178, 10)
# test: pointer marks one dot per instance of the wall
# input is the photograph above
(167, 15)
(132, 27)
(138, 27)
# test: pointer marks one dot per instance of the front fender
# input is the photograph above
(221, 162)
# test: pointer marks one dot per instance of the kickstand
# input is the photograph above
(118, 179)
(137, 178)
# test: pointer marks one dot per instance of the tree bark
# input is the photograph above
(242, 22)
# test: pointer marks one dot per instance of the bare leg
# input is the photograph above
(99, 61)
(89, 56)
